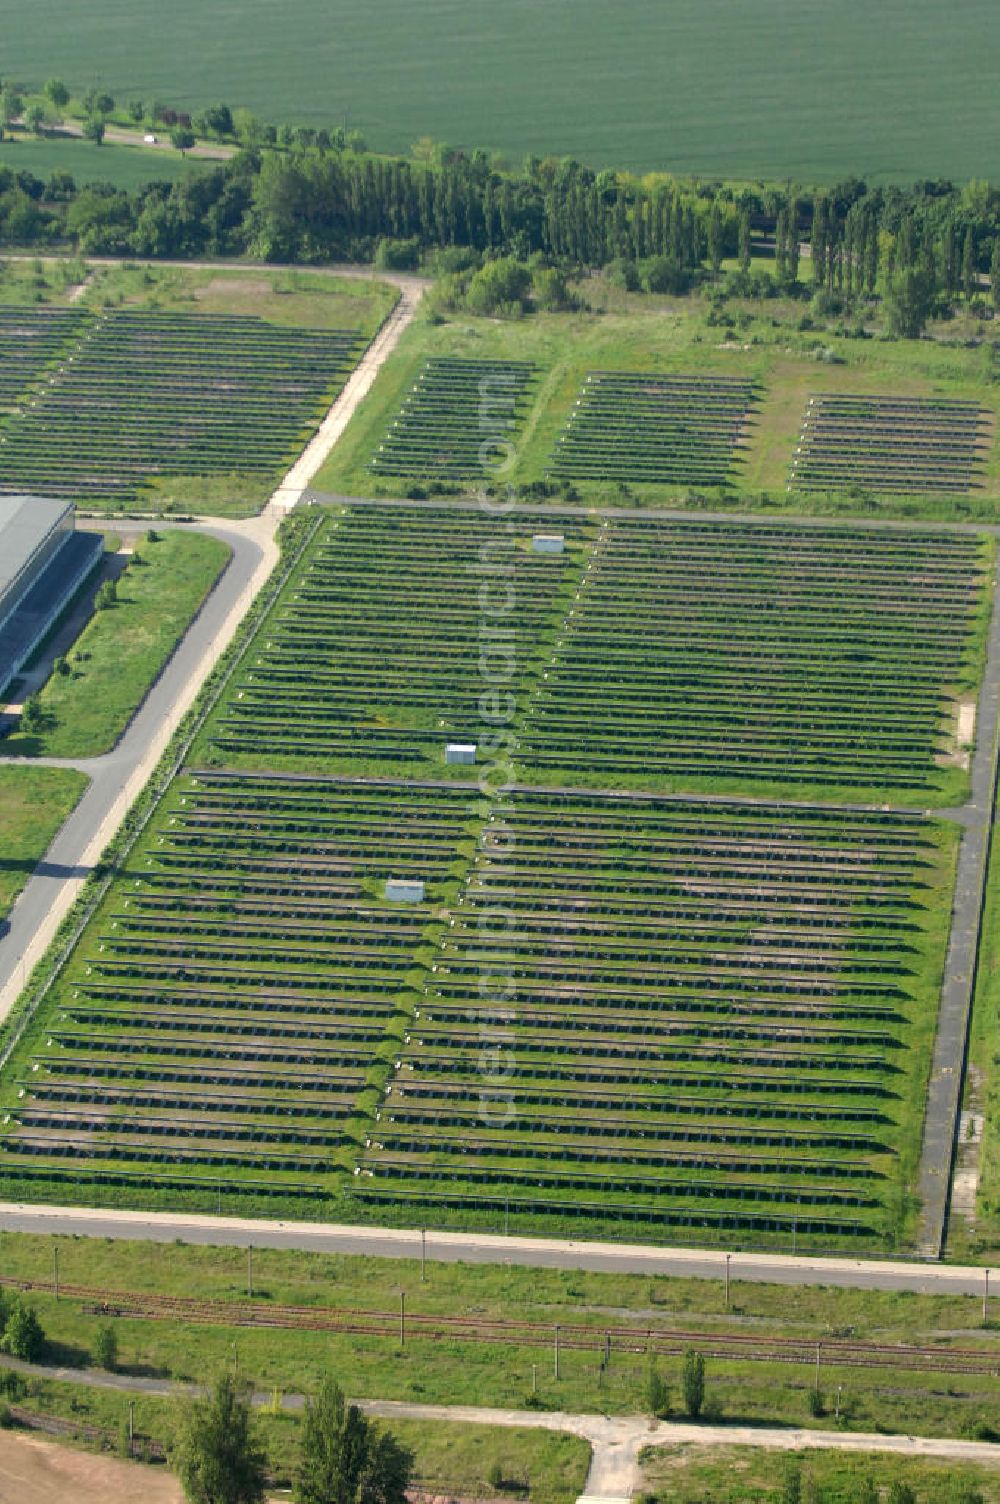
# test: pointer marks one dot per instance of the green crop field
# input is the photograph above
(901, 90)
(127, 167)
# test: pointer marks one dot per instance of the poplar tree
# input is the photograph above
(819, 240)
(949, 258)
(744, 242)
(968, 266)
(715, 238)
(780, 246)
(218, 1458)
(793, 240)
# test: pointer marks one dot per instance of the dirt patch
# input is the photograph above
(965, 734)
(225, 287)
(966, 723)
(37, 1472)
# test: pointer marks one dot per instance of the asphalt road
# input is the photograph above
(487, 1248)
(60, 874)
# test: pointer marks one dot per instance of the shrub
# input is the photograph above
(791, 1484)
(32, 716)
(622, 273)
(499, 287)
(450, 260)
(23, 1337)
(397, 255)
(657, 1394)
(660, 274)
(981, 1430)
(550, 290)
(106, 1348)
(107, 596)
(693, 1382)
(816, 1408)
(12, 1385)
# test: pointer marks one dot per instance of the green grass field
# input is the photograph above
(449, 1370)
(126, 167)
(746, 1475)
(122, 649)
(902, 90)
(42, 282)
(34, 802)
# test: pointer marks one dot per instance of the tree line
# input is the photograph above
(323, 196)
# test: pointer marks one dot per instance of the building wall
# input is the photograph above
(33, 566)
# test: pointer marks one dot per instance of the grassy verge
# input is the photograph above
(123, 649)
(748, 1475)
(40, 281)
(634, 332)
(34, 802)
(449, 1457)
(460, 1371)
(297, 299)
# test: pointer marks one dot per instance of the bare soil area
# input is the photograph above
(33, 1471)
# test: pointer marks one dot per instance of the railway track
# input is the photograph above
(572, 1336)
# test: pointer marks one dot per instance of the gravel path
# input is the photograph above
(615, 1441)
(119, 777)
(947, 1076)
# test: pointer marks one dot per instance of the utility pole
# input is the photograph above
(986, 1297)
(837, 1411)
(55, 1269)
(423, 1253)
(607, 1349)
(250, 1271)
(534, 1378)
(131, 1425)
(557, 1353)
(402, 1318)
(728, 1257)
(817, 1367)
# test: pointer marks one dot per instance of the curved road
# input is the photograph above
(118, 777)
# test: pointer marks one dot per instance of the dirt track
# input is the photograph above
(33, 1471)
